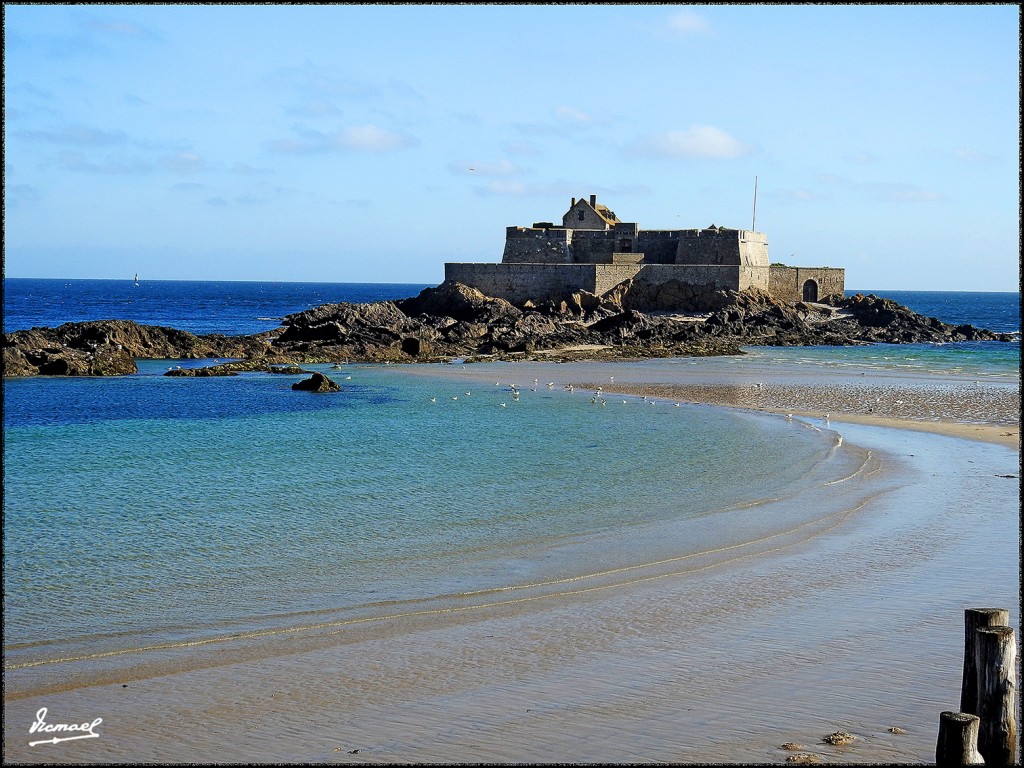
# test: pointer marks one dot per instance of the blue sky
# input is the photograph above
(374, 143)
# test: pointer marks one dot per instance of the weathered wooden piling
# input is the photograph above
(974, 619)
(995, 656)
(958, 740)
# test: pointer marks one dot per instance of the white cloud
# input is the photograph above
(687, 23)
(572, 115)
(699, 141)
(370, 138)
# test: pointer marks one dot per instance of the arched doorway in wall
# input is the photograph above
(810, 291)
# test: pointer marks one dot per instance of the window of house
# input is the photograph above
(579, 214)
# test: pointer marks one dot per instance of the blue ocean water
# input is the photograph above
(229, 307)
(165, 507)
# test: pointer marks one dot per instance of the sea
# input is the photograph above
(153, 513)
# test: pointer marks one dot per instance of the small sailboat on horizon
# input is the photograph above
(136, 279)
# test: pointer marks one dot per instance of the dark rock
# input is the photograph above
(317, 383)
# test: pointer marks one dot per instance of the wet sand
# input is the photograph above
(852, 625)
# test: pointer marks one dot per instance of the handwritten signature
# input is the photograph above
(84, 730)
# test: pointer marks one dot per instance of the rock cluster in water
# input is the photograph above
(634, 320)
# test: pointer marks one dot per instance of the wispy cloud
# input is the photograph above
(75, 136)
(117, 29)
(183, 162)
(799, 195)
(698, 141)
(686, 23)
(314, 108)
(79, 163)
(861, 158)
(901, 192)
(521, 149)
(358, 138)
(18, 194)
(244, 169)
(573, 115)
(971, 156)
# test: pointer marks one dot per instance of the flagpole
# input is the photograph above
(753, 218)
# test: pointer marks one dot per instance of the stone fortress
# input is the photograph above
(593, 251)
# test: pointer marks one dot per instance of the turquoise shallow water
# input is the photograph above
(149, 502)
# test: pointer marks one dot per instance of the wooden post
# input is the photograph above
(975, 618)
(995, 656)
(958, 740)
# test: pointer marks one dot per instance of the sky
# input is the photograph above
(374, 143)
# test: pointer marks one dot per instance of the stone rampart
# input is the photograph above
(536, 282)
(805, 283)
(537, 246)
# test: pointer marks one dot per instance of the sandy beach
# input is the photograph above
(852, 623)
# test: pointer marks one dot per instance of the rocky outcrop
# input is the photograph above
(317, 383)
(110, 348)
(635, 320)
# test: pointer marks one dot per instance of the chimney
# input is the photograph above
(593, 201)
(573, 202)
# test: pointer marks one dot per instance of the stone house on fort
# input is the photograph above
(591, 250)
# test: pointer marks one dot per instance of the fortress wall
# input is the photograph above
(607, 276)
(536, 246)
(720, 276)
(659, 246)
(754, 249)
(706, 246)
(593, 246)
(787, 283)
(519, 282)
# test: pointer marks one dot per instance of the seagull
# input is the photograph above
(503, 405)
(677, 405)
(468, 394)
(611, 378)
(789, 417)
(433, 399)
(455, 397)
(551, 384)
(348, 378)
